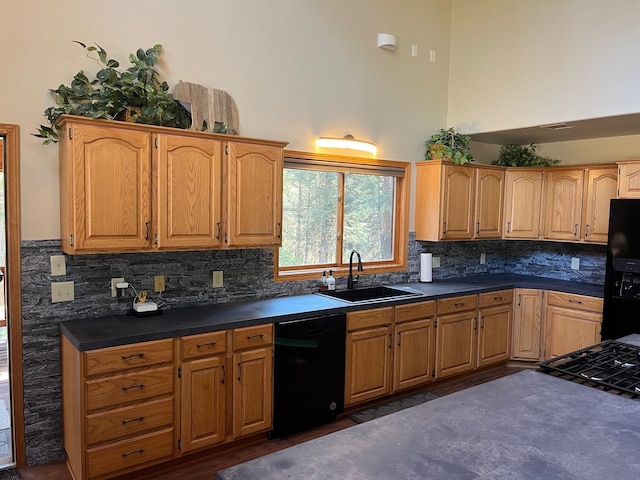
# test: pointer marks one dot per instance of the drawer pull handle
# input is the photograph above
(259, 335)
(141, 451)
(459, 304)
(139, 419)
(497, 298)
(140, 387)
(133, 355)
(209, 344)
(575, 301)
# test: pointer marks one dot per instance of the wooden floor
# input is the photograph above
(205, 469)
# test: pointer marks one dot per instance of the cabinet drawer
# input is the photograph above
(249, 337)
(377, 317)
(457, 304)
(578, 302)
(128, 421)
(415, 311)
(129, 453)
(129, 387)
(203, 345)
(114, 359)
(500, 297)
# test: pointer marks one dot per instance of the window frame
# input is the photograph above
(340, 163)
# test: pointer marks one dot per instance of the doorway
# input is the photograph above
(12, 442)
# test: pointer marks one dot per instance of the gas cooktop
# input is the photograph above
(611, 366)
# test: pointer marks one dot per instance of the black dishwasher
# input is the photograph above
(308, 373)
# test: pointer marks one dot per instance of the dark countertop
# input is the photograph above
(89, 334)
(529, 425)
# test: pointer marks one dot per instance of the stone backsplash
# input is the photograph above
(248, 275)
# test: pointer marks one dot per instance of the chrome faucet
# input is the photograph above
(350, 279)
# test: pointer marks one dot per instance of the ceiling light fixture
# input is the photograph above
(348, 142)
(387, 41)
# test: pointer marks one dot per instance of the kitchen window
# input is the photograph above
(332, 205)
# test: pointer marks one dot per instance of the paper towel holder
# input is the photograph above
(387, 41)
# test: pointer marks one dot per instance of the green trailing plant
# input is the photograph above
(523, 156)
(135, 94)
(449, 145)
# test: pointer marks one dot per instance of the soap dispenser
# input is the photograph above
(331, 281)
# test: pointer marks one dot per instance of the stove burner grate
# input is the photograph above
(613, 366)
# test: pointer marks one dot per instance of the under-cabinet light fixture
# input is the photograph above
(348, 142)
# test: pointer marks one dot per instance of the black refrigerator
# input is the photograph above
(621, 315)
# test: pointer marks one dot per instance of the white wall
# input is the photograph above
(297, 69)
(518, 63)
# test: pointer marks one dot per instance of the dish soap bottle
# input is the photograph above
(331, 282)
(323, 282)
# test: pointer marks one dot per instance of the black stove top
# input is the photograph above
(611, 366)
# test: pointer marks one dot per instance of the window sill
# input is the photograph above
(316, 273)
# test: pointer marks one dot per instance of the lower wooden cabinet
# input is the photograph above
(414, 350)
(527, 324)
(368, 355)
(572, 322)
(494, 335)
(252, 391)
(130, 407)
(456, 343)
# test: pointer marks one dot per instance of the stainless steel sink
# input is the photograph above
(369, 294)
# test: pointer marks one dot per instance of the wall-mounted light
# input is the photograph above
(348, 142)
(387, 41)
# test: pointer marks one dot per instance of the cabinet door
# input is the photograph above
(488, 208)
(414, 354)
(455, 343)
(494, 335)
(527, 324)
(568, 330)
(563, 214)
(368, 364)
(254, 195)
(522, 203)
(203, 403)
(629, 180)
(188, 192)
(457, 203)
(600, 189)
(253, 391)
(111, 188)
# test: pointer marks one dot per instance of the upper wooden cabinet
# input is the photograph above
(523, 203)
(600, 188)
(489, 202)
(563, 200)
(188, 192)
(204, 190)
(629, 179)
(105, 188)
(253, 195)
(455, 202)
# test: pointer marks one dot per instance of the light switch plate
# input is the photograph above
(218, 280)
(436, 262)
(575, 263)
(158, 281)
(483, 259)
(62, 292)
(58, 265)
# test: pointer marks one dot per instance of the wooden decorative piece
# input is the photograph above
(208, 105)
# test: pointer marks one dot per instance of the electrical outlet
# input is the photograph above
(159, 283)
(217, 279)
(62, 292)
(483, 259)
(114, 289)
(435, 262)
(58, 265)
(575, 263)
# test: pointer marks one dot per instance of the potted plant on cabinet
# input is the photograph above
(449, 145)
(523, 156)
(135, 94)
